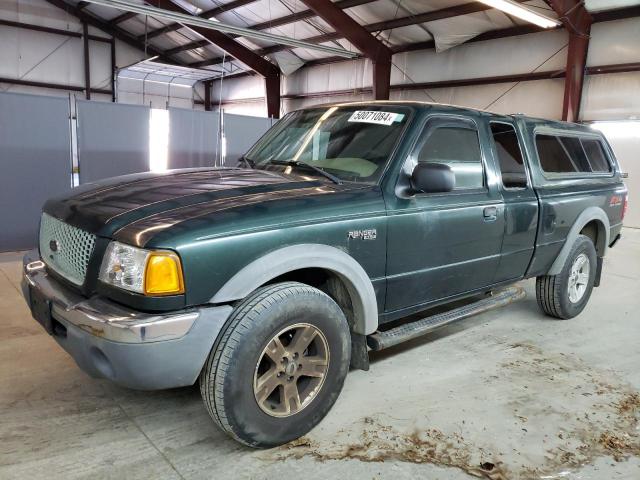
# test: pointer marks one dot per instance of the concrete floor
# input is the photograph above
(537, 398)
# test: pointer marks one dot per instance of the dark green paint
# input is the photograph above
(429, 247)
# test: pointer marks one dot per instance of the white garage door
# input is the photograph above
(624, 138)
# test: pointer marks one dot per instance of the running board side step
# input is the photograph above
(409, 331)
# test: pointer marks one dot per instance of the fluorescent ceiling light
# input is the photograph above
(192, 20)
(520, 11)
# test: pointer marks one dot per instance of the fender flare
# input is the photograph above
(295, 257)
(590, 214)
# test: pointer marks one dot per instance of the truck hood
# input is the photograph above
(134, 208)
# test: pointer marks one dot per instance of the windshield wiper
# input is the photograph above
(247, 161)
(299, 164)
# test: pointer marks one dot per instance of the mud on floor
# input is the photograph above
(557, 415)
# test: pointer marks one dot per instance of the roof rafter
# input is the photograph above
(122, 18)
(276, 22)
(113, 30)
(374, 49)
(237, 50)
(598, 17)
(444, 13)
(264, 68)
(172, 27)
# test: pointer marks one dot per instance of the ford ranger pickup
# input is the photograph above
(265, 282)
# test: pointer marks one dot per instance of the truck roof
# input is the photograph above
(457, 109)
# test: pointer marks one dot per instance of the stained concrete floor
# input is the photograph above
(509, 394)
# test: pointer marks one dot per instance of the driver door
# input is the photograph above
(444, 244)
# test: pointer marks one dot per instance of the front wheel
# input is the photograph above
(565, 295)
(278, 366)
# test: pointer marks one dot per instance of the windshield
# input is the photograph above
(351, 143)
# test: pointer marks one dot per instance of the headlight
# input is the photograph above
(150, 272)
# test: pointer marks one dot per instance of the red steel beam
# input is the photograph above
(255, 62)
(577, 21)
(272, 93)
(240, 52)
(602, 16)
(374, 49)
(449, 12)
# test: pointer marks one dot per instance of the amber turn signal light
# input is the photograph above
(163, 274)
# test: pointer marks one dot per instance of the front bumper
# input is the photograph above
(145, 351)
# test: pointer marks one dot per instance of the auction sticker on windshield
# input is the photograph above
(379, 118)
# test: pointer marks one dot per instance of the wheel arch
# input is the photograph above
(592, 216)
(298, 258)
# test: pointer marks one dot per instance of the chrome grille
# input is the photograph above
(65, 249)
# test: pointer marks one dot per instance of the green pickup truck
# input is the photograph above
(267, 281)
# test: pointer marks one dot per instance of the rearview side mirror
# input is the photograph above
(432, 178)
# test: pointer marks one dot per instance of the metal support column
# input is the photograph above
(370, 46)
(114, 69)
(577, 20)
(207, 95)
(87, 72)
(272, 91)
(381, 79)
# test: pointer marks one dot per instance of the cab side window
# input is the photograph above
(459, 148)
(509, 154)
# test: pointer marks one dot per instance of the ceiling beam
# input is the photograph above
(305, 15)
(255, 62)
(188, 46)
(172, 27)
(374, 49)
(348, 28)
(444, 13)
(55, 31)
(598, 17)
(577, 21)
(602, 16)
(236, 50)
(278, 22)
(122, 18)
(616, 14)
(112, 30)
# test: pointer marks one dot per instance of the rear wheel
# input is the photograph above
(565, 295)
(279, 365)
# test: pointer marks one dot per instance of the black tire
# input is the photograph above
(552, 291)
(227, 379)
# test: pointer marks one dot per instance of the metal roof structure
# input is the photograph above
(374, 29)
(398, 24)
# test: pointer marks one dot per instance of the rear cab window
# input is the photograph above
(507, 148)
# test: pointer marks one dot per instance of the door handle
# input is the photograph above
(490, 214)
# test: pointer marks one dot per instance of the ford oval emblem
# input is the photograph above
(53, 245)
